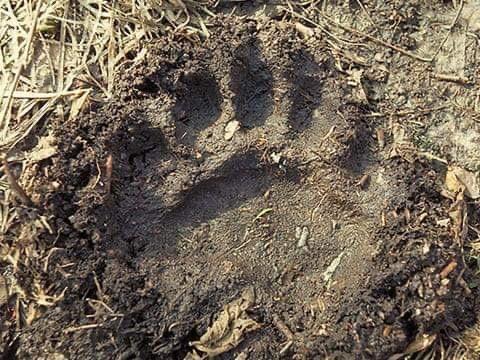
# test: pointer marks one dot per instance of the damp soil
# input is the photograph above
(185, 220)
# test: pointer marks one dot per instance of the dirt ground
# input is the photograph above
(272, 161)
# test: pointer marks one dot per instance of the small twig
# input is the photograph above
(83, 327)
(375, 39)
(327, 136)
(314, 211)
(61, 60)
(408, 112)
(283, 327)
(448, 269)
(363, 182)
(43, 95)
(98, 286)
(452, 78)
(15, 187)
(234, 249)
(287, 346)
(52, 250)
(457, 16)
(430, 156)
(329, 133)
(380, 138)
(104, 305)
(394, 47)
(245, 243)
(99, 174)
(322, 28)
(368, 14)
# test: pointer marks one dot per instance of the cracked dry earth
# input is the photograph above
(242, 163)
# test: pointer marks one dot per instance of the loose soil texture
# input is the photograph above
(243, 165)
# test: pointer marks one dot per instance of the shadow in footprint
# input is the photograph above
(228, 187)
(357, 139)
(252, 85)
(305, 77)
(216, 196)
(143, 140)
(198, 105)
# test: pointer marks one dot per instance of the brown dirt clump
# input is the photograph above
(242, 163)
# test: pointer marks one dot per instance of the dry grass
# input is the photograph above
(55, 52)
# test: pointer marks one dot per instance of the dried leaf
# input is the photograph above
(421, 343)
(32, 314)
(43, 150)
(457, 179)
(328, 273)
(306, 31)
(459, 216)
(77, 104)
(228, 330)
(402, 146)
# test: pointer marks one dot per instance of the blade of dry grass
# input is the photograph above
(5, 115)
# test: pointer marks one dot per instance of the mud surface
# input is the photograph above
(340, 242)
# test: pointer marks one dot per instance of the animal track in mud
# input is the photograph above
(252, 83)
(198, 105)
(305, 93)
(191, 175)
(193, 219)
(192, 198)
(203, 102)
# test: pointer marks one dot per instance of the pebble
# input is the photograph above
(303, 237)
